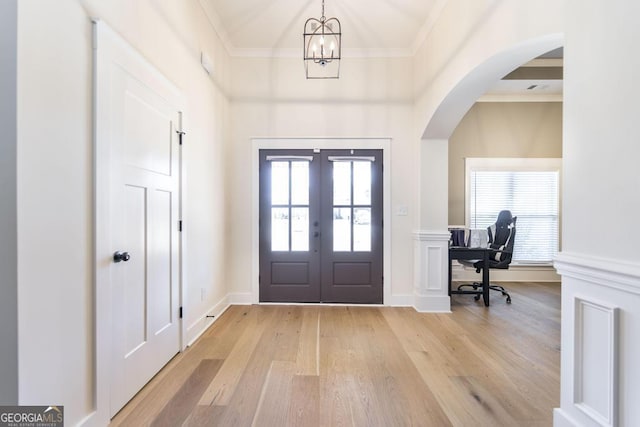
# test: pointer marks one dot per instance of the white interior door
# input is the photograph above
(142, 166)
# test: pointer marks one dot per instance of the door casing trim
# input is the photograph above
(327, 143)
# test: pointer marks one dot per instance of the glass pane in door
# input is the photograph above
(362, 183)
(361, 229)
(280, 183)
(341, 183)
(341, 229)
(300, 183)
(300, 229)
(279, 229)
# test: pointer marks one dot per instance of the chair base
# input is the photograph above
(477, 286)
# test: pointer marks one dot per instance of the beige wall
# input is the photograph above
(507, 129)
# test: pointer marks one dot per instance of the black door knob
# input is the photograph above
(121, 256)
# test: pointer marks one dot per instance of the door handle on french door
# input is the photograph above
(121, 256)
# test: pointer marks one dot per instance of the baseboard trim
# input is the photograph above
(513, 274)
(562, 419)
(400, 301)
(432, 303)
(197, 328)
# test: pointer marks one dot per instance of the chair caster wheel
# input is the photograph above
(508, 300)
(477, 297)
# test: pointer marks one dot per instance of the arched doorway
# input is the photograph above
(431, 242)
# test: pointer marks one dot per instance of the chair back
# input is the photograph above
(502, 236)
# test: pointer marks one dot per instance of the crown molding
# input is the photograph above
(297, 53)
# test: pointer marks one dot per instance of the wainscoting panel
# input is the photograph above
(595, 361)
(600, 346)
(431, 271)
(434, 271)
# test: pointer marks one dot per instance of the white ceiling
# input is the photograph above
(369, 27)
(384, 28)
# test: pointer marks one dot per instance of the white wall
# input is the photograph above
(54, 207)
(601, 138)
(372, 99)
(477, 40)
(600, 262)
(8, 208)
(55, 179)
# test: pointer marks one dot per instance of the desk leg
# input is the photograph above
(485, 279)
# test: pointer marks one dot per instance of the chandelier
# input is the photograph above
(322, 47)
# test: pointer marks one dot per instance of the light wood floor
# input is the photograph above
(366, 366)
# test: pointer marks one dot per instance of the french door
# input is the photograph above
(321, 226)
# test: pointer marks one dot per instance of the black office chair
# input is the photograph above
(502, 236)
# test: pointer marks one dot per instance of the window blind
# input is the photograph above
(532, 196)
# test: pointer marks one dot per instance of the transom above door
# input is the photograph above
(321, 225)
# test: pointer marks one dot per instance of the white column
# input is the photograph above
(8, 205)
(431, 241)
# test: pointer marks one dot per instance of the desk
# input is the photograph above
(462, 252)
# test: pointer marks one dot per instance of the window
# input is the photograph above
(351, 205)
(530, 189)
(290, 205)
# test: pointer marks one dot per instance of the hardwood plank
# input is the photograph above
(279, 341)
(363, 365)
(177, 410)
(205, 416)
(228, 329)
(152, 398)
(305, 401)
(403, 398)
(347, 394)
(275, 399)
(307, 362)
(224, 384)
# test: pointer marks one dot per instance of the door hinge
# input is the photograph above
(180, 226)
(181, 312)
(180, 135)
